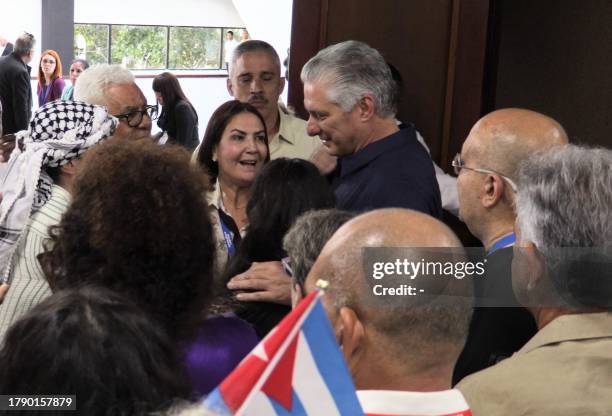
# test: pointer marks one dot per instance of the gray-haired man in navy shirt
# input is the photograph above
(350, 96)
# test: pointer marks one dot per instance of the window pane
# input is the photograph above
(195, 47)
(139, 47)
(91, 43)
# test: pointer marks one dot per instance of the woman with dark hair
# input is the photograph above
(96, 345)
(138, 224)
(284, 190)
(234, 150)
(178, 117)
(50, 81)
(77, 67)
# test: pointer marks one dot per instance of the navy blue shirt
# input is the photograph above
(394, 172)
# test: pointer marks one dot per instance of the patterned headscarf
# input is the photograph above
(59, 132)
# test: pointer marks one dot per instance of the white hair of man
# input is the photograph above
(95, 79)
(565, 200)
(354, 69)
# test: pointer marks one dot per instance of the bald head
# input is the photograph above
(340, 260)
(502, 139)
(399, 322)
(492, 154)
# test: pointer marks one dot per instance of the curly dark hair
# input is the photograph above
(138, 224)
(214, 132)
(97, 345)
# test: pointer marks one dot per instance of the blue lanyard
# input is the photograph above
(504, 242)
(228, 236)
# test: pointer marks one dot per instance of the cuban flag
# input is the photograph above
(297, 369)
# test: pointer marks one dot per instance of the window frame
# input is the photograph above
(109, 43)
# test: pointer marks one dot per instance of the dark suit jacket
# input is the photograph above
(15, 93)
(8, 49)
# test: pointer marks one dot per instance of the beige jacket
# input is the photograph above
(565, 369)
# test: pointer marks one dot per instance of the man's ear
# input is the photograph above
(350, 334)
(535, 262)
(493, 190)
(282, 85)
(230, 88)
(366, 107)
(69, 169)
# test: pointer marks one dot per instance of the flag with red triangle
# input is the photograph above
(297, 369)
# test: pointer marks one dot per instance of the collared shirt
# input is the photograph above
(563, 370)
(395, 171)
(291, 141)
(28, 283)
(409, 403)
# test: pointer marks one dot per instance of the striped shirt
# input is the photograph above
(28, 283)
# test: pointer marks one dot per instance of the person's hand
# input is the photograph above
(325, 162)
(7, 145)
(3, 289)
(264, 282)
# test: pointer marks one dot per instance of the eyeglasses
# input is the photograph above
(459, 164)
(48, 61)
(286, 262)
(134, 118)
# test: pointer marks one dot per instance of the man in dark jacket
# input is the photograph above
(15, 88)
(350, 96)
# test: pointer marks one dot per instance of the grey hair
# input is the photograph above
(253, 46)
(353, 70)
(306, 238)
(565, 200)
(94, 80)
(24, 44)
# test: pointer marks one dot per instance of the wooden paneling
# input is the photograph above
(555, 57)
(437, 45)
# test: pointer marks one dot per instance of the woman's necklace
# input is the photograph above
(238, 213)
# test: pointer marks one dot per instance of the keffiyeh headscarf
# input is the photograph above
(59, 132)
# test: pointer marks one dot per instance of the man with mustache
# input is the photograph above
(255, 77)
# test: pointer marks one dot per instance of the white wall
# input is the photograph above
(206, 94)
(24, 17)
(158, 12)
(268, 20)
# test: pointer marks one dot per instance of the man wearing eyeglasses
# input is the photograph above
(486, 170)
(115, 88)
